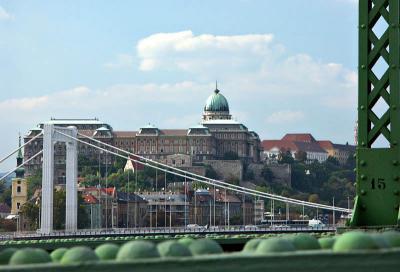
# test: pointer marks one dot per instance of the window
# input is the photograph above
(183, 162)
(18, 189)
(19, 181)
(18, 205)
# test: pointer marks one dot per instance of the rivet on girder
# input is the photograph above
(394, 25)
(394, 142)
(363, 26)
(363, 66)
(362, 107)
(393, 66)
(363, 177)
(355, 169)
(396, 206)
(396, 178)
(363, 163)
(363, 143)
(363, 192)
(354, 155)
(395, 162)
(394, 107)
(363, 207)
(396, 192)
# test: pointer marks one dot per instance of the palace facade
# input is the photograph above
(216, 137)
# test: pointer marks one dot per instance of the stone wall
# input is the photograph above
(282, 173)
(227, 169)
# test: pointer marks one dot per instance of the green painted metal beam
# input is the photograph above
(378, 169)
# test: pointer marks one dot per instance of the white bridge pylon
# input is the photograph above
(50, 137)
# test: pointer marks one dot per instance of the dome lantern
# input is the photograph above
(216, 107)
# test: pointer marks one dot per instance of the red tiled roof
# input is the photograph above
(110, 191)
(299, 137)
(280, 144)
(90, 199)
(125, 134)
(325, 144)
(173, 132)
(309, 147)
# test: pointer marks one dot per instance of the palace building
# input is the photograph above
(214, 138)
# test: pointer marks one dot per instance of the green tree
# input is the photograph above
(210, 172)
(313, 198)
(31, 211)
(332, 160)
(233, 180)
(285, 156)
(5, 193)
(248, 174)
(34, 182)
(267, 174)
(301, 156)
(350, 162)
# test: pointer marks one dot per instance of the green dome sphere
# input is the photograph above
(216, 102)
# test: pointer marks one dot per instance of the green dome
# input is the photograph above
(216, 102)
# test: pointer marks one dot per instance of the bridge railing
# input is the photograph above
(168, 231)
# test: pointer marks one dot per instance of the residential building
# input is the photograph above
(295, 143)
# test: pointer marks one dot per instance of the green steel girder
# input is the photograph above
(378, 169)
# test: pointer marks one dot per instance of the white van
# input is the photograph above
(315, 223)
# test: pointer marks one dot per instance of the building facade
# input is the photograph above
(305, 142)
(216, 136)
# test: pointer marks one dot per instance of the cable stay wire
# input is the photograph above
(22, 164)
(16, 150)
(206, 180)
(276, 197)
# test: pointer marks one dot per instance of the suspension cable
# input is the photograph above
(219, 184)
(276, 197)
(22, 164)
(16, 150)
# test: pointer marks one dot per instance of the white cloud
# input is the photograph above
(121, 61)
(285, 116)
(268, 89)
(4, 15)
(187, 52)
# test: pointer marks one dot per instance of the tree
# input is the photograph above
(231, 155)
(313, 198)
(267, 174)
(210, 172)
(332, 160)
(233, 180)
(5, 194)
(34, 182)
(350, 162)
(31, 211)
(301, 156)
(248, 174)
(285, 156)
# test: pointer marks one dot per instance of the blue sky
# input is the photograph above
(284, 66)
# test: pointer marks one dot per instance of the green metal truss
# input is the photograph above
(378, 169)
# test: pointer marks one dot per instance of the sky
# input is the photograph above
(284, 66)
